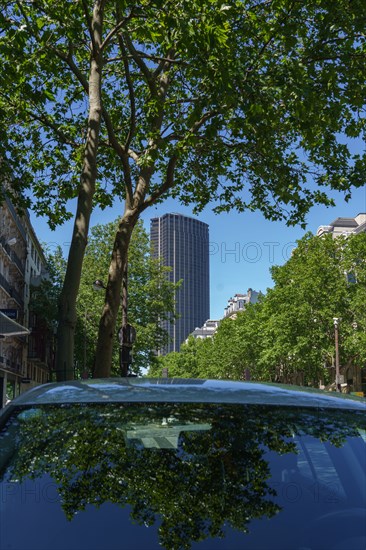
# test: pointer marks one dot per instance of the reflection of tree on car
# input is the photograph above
(213, 477)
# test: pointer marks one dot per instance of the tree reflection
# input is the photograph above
(193, 468)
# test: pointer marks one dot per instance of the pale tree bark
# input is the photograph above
(135, 202)
(134, 205)
(107, 325)
(67, 303)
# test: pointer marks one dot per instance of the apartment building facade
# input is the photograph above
(26, 345)
(239, 302)
(344, 226)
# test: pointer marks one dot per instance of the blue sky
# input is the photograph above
(243, 246)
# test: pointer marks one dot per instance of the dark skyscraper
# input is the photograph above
(183, 244)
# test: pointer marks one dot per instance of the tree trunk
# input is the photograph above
(67, 303)
(107, 325)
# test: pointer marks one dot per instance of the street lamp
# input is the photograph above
(337, 377)
(99, 285)
(85, 374)
(127, 333)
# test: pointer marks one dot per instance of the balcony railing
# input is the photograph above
(13, 256)
(37, 355)
(10, 365)
(16, 218)
(11, 290)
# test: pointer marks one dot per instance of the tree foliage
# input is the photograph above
(189, 362)
(288, 335)
(44, 297)
(151, 297)
(253, 92)
(243, 103)
(311, 289)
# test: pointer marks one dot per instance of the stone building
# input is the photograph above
(239, 302)
(344, 226)
(26, 345)
(207, 330)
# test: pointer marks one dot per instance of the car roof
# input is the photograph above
(186, 391)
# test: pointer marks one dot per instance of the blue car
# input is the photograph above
(144, 464)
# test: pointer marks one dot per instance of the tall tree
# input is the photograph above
(324, 279)
(238, 345)
(242, 103)
(150, 297)
(44, 48)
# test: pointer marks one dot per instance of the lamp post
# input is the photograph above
(85, 374)
(127, 333)
(337, 376)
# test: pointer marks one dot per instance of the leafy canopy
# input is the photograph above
(251, 102)
(288, 336)
(151, 297)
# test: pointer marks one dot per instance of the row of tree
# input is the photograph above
(248, 104)
(289, 334)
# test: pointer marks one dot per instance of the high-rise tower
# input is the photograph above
(183, 244)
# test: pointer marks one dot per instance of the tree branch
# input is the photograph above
(131, 94)
(69, 60)
(156, 58)
(169, 179)
(344, 58)
(116, 29)
(168, 184)
(142, 66)
(98, 5)
(165, 62)
(121, 152)
(44, 120)
(88, 22)
(199, 123)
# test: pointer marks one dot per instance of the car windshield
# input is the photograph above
(173, 475)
